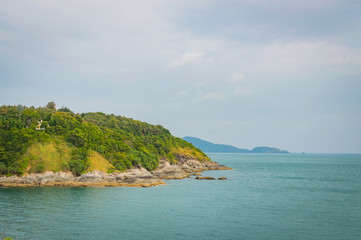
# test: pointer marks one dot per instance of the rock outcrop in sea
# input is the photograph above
(136, 177)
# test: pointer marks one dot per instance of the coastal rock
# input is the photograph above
(94, 176)
(136, 177)
(168, 171)
(131, 178)
(222, 178)
(192, 165)
(38, 179)
(197, 174)
(218, 167)
(137, 173)
(141, 182)
(205, 178)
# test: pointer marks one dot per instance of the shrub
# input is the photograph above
(40, 168)
(3, 168)
(78, 166)
(64, 166)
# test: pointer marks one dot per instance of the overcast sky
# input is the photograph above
(280, 73)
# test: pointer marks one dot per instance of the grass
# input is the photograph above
(50, 156)
(47, 156)
(98, 162)
(187, 152)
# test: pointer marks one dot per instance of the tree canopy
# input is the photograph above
(124, 142)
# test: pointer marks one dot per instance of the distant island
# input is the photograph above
(206, 146)
(46, 146)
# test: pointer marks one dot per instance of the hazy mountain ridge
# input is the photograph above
(206, 146)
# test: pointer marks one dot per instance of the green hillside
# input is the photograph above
(45, 138)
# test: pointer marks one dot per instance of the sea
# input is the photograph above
(265, 196)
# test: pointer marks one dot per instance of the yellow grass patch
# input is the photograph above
(187, 152)
(98, 162)
(47, 156)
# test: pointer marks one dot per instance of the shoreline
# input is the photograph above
(136, 177)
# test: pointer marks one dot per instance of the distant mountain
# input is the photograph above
(212, 147)
(267, 150)
(206, 146)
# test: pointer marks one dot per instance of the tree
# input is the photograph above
(77, 137)
(64, 109)
(51, 105)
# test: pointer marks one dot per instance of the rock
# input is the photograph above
(192, 165)
(222, 178)
(136, 177)
(167, 171)
(38, 179)
(95, 176)
(205, 178)
(218, 167)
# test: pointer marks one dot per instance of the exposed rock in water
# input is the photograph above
(137, 177)
(205, 178)
(222, 178)
(197, 174)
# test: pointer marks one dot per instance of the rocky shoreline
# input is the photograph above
(138, 177)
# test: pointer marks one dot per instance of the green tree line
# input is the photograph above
(124, 142)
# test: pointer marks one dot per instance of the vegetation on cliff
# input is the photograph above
(45, 138)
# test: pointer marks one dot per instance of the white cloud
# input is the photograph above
(214, 96)
(150, 53)
(242, 91)
(308, 57)
(202, 83)
(237, 77)
(187, 58)
(182, 93)
(293, 6)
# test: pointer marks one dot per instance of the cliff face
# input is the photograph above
(37, 140)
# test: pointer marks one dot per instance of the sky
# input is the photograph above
(278, 73)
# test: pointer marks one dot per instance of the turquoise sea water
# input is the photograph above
(310, 196)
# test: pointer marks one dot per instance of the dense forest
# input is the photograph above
(125, 143)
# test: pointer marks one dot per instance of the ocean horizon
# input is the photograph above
(265, 196)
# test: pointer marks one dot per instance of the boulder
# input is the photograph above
(205, 178)
(168, 171)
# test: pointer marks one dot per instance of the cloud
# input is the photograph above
(214, 96)
(182, 93)
(242, 91)
(237, 78)
(187, 58)
(195, 53)
(309, 56)
(202, 83)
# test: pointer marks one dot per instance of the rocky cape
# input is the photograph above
(136, 177)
